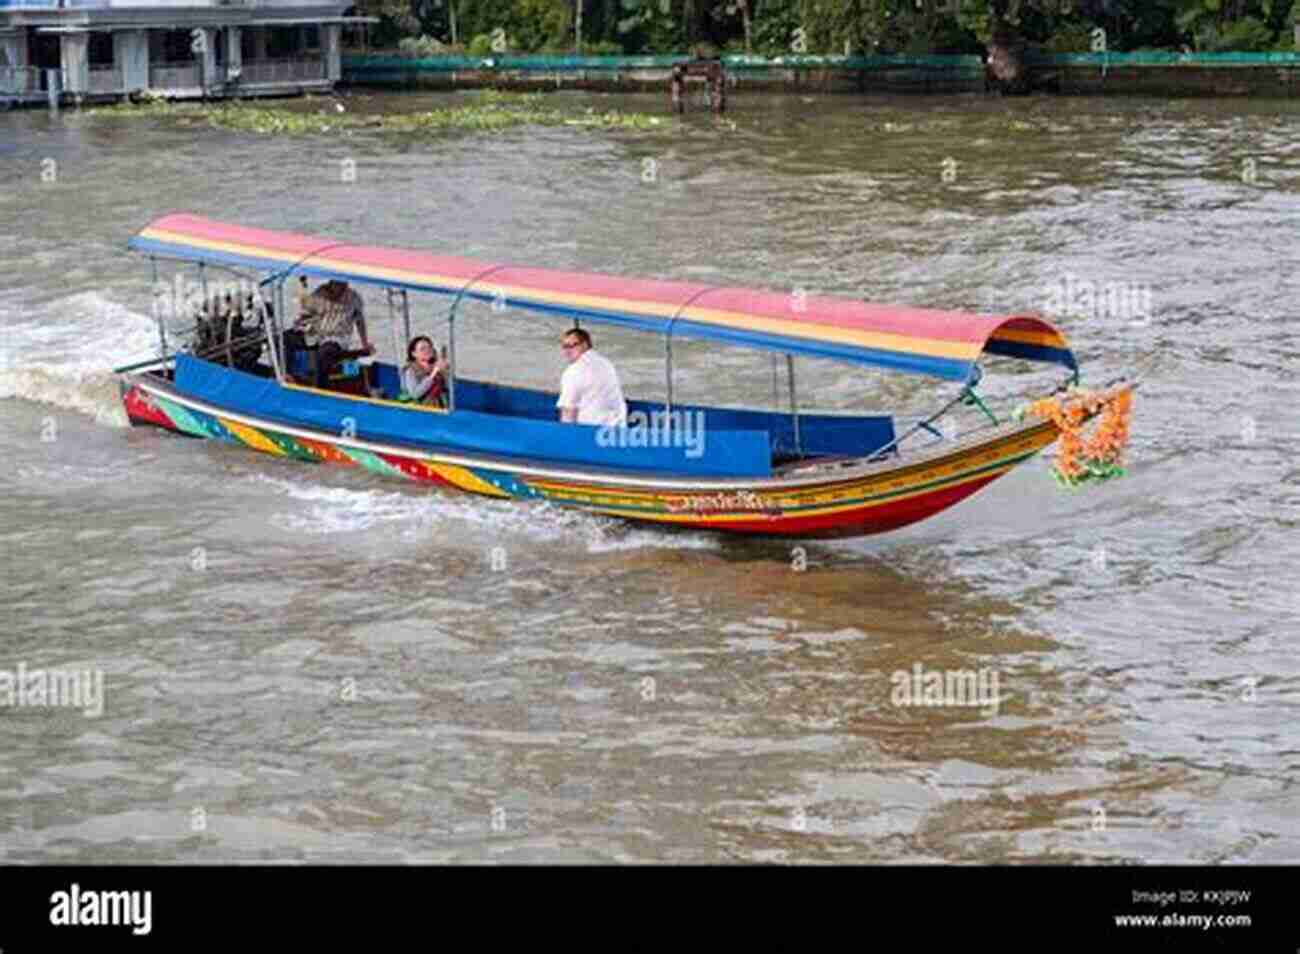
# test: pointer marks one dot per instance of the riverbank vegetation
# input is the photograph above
(777, 27)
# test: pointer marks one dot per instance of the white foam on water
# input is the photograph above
(341, 509)
(63, 352)
(651, 539)
(94, 394)
(420, 516)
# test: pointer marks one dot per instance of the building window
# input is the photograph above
(99, 51)
(170, 46)
(281, 43)
(43, 50)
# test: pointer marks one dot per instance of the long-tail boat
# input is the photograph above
(781, 473)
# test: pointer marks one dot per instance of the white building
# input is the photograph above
(180, 48)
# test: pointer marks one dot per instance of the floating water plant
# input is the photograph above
(488, 111)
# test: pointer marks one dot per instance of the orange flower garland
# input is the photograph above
(1081, 457)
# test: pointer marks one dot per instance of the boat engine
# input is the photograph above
(230, 331)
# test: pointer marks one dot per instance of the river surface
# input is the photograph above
(303, 664)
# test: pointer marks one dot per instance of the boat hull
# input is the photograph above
(853, 501)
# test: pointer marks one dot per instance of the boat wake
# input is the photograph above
(429, 513)
(63, 353)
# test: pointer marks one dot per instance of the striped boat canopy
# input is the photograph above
(944, 344)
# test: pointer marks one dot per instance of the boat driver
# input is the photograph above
(327, 319)
(590, 392)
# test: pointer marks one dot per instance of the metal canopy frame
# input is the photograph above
(275, 345)
(864, 334)
(278, 278)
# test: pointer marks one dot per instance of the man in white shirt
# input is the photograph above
(590, 392)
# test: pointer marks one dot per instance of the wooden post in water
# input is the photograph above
(711, 71)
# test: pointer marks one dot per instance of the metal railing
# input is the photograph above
(107, 79)
(1164, 58)
(174, 76)
(281, 71)
(734, 63)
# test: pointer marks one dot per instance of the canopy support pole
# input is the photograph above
(451, 335)
(157, 312)
(271, 322)
(451, 359)
(275, 340)
(794, 407)
(668, 372)
(977, 375)
(973, 398)
(392, 323)
(230, 329)
(921, 425)
(406, 322)
(668, 339)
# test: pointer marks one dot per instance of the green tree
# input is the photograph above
(1220, 25)
(775, 27)
(396, 19)
(652, 26)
